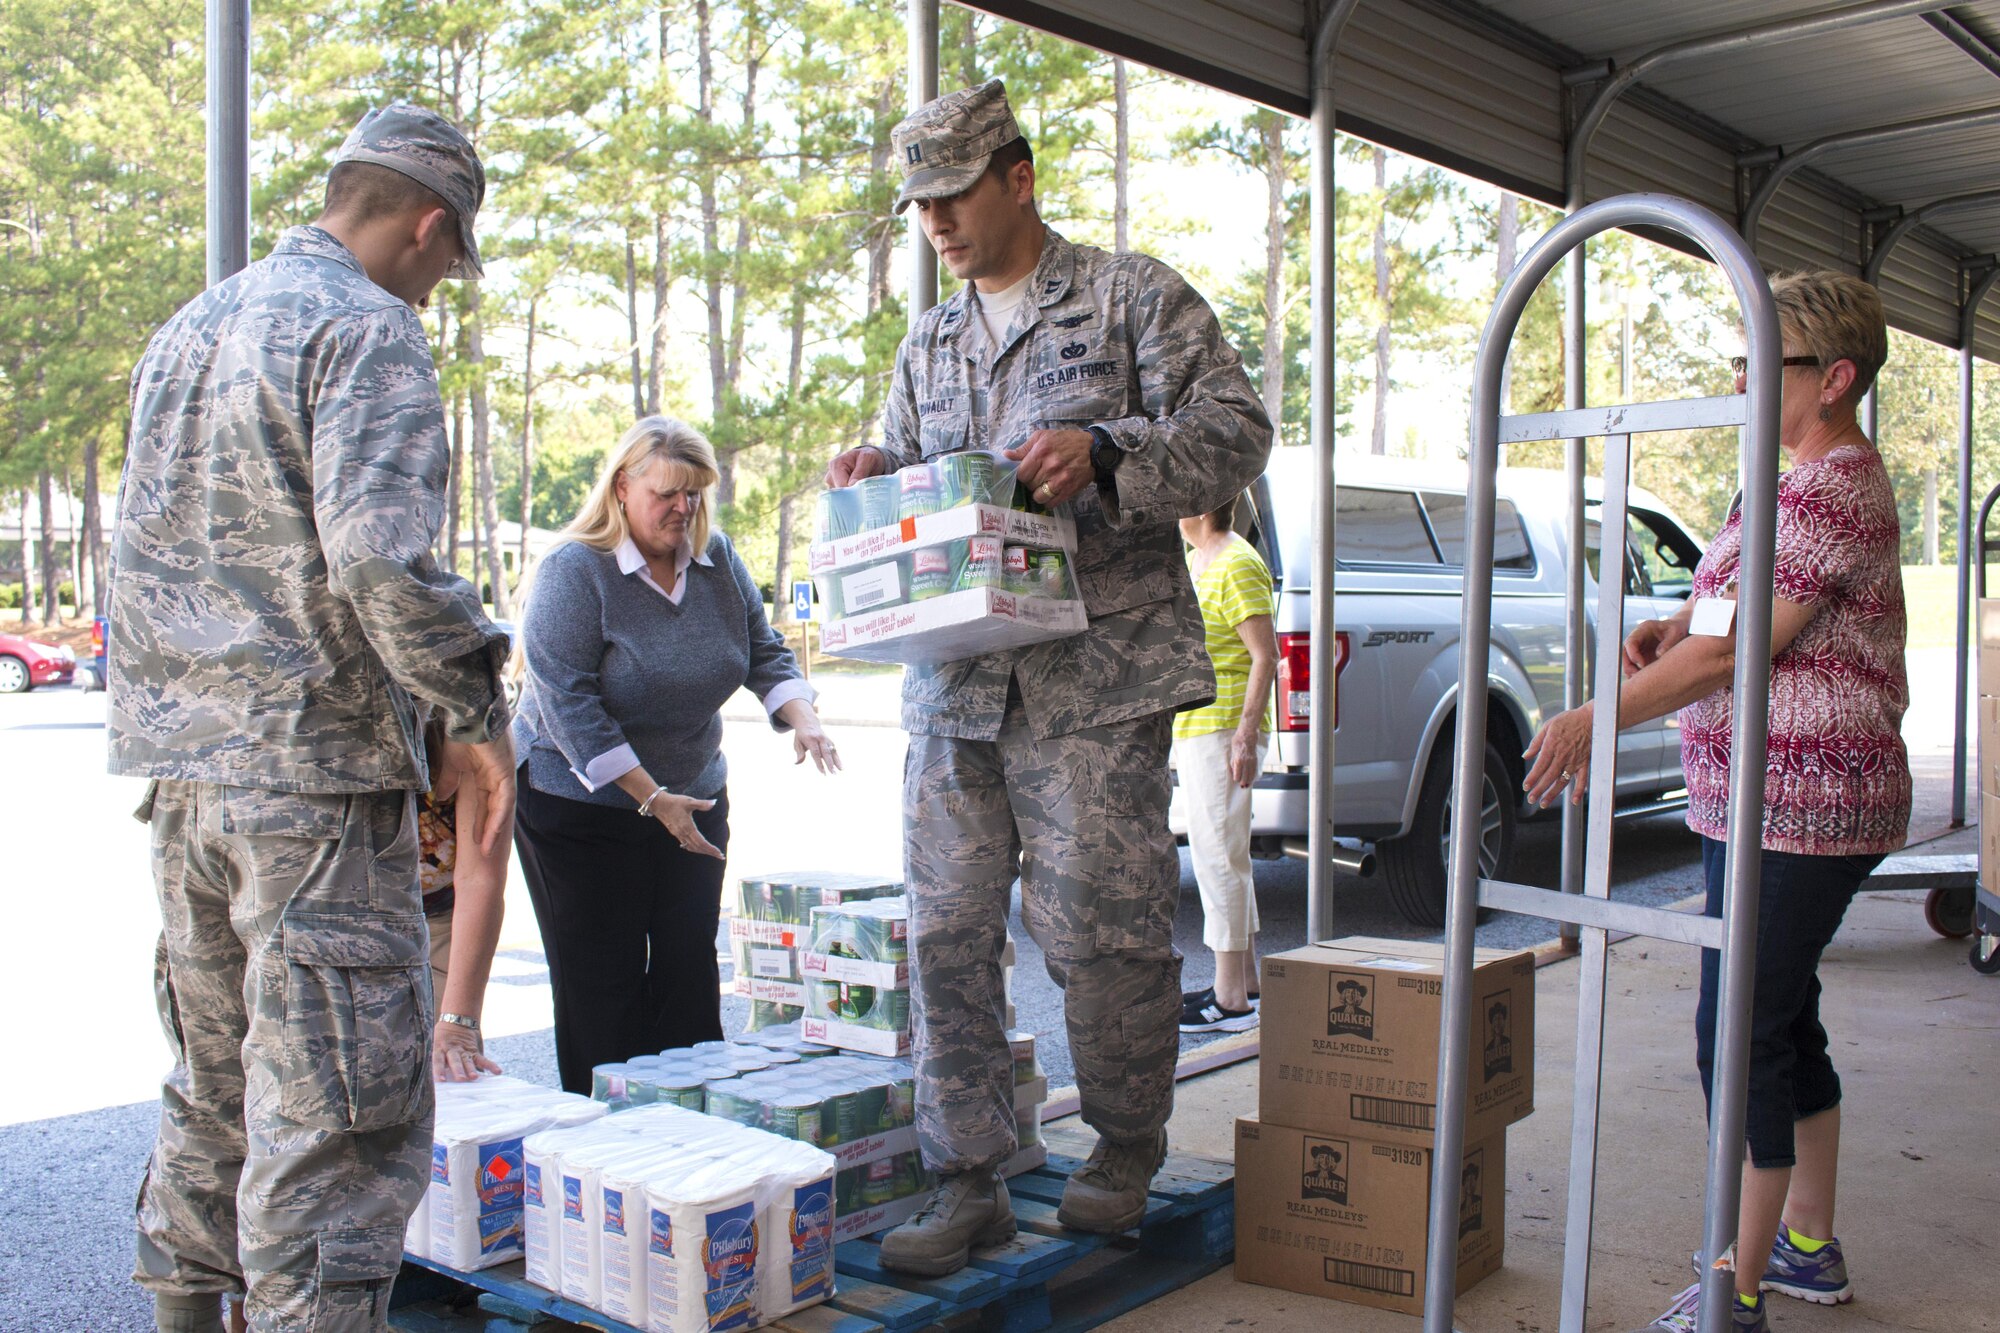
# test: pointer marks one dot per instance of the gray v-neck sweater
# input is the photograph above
(611, 662)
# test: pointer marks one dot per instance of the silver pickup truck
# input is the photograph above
(1400, 531)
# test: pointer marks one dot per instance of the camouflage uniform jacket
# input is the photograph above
(1122, 342)
(275, 605)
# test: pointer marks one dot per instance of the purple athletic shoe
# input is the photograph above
(1820, 1277)
(1681, 1316)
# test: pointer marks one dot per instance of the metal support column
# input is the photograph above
(1756, 411)
(1968, 555)
(923, 88)
(228, 138)
(1322, 647)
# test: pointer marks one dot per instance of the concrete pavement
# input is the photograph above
(1913, 1032)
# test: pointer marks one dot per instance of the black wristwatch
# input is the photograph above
(1105, 456)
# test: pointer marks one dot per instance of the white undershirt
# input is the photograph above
(996, 309)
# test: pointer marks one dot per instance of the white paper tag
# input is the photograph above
(1397, 964)
(872, 587)
(1712, 616)
(771, 962)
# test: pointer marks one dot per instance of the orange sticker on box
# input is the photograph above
(909, 529)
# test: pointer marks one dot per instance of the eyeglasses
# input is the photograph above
(1740, 364)
(689, 500)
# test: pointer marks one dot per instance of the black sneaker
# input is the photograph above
(1201, 1012)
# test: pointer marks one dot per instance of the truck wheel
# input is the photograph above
(1414, 865)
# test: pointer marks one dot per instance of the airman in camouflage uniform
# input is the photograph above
(278, 619)
(1112, 384)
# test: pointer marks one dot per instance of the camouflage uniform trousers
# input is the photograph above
(1083, 817)
(294, 986)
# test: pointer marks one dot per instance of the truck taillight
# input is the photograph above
(1295, 680)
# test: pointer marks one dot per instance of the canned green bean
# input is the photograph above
(881, 500)
(780, 1057)
(710, 1048)
(964, 478)
(1022, 1046)
(918, 495)
(685, 1091)
(1051, 576)
(838, 513)
(796, 1116)
(607, 1082)
(1028, 1127)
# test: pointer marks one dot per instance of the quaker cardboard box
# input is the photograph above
(1989, 645)
(1350, 1039)
(1349, 1218)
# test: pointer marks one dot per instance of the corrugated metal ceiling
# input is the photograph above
(1477, 87)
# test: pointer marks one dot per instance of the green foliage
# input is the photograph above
(722, 248)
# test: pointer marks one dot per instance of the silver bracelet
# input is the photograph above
(460, 1020)
(646, 806)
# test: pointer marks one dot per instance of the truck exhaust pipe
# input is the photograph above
(1347, 860)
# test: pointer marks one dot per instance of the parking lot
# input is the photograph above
(83, 1054)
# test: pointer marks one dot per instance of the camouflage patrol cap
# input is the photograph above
(945, 144)
(431, 151)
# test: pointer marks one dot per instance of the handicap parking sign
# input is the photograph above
(802, 599)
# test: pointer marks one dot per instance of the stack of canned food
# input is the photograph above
(960, 565)
(840, 1100)
(974, 477)
(874, 995)
(768, 930)
(1027, 1069)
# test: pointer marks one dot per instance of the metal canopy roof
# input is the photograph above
(1491, 89)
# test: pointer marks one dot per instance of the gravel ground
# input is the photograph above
(66, 1250)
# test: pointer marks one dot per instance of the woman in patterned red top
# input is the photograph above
(1837, 778)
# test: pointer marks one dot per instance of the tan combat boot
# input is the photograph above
(1107, 1194)
(968, 1208)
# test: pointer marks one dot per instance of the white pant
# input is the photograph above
(1218, 819)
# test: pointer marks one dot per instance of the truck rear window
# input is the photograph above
(1380, 528)
(1510, 540)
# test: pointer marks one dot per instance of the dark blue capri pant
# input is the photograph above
(1800, 908)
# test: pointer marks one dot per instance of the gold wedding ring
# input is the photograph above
(1044, 490)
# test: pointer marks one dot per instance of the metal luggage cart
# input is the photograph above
(1591, 910)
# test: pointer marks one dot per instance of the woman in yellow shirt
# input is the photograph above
(1218, 751)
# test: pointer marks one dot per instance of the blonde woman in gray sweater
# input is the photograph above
(642, 624)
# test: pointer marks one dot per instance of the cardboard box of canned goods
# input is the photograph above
(936, 563)
(966, 494)
(1349, 1218)
(1349, 1035)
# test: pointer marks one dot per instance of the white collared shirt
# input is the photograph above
(615, 763)
(632, 560)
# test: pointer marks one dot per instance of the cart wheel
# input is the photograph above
(1984, 963)
(1949, 912)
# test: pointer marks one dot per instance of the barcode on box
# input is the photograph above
(1372, 1277)
(1388, 1111)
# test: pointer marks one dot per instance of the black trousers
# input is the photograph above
(628, 923)
(1800, 903)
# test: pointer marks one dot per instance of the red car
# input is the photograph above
(25, 664)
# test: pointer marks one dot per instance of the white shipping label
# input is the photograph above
(873, 587)
(1397, 964)
(771, 962)
(1712, 616)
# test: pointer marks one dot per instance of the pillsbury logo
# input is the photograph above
(1071, 351)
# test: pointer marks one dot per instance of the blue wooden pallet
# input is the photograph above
(1047, 1278)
